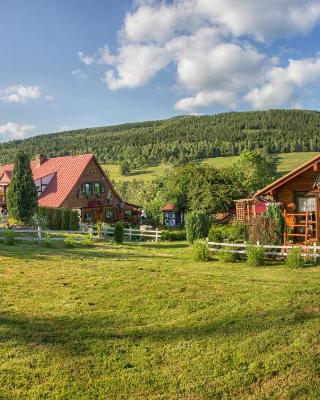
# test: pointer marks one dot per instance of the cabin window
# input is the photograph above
(305, 204)
(109, 215)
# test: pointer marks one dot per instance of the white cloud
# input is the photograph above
(135, 66)
(264, 19)
(282, 85)
(85, 58)
(150, 23)
(213, 45)
(203, 99)
(19, 93)
(79, 73)
(12, 130)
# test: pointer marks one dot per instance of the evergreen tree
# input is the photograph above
(22, 196)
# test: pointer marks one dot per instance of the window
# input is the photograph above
(305, 204)
(98, 189)
(88, 216)
(91, 189)
(109, 215)
(128, 214)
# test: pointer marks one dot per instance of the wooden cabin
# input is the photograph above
(298, 193)
(75, 183)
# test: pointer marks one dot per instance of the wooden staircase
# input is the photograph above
(304, 226)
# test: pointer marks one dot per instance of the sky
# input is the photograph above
(68, 64)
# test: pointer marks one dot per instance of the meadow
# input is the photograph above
(144, 321)
(285, 163)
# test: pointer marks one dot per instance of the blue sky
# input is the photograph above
(81, 63)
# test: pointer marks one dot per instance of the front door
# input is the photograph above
(99, 215)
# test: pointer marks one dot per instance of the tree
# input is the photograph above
(124, 167)
(254, 170)
(22, 195)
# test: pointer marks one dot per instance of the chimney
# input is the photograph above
(40, 159)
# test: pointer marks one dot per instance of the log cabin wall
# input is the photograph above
(302, 183)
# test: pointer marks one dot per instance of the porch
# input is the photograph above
(302, 219)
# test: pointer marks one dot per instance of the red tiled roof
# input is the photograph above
(169, 207)
(67, 171)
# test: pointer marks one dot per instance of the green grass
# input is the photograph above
(285, 163)
(143, 321)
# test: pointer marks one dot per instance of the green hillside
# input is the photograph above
(285, 163)
(182, 139)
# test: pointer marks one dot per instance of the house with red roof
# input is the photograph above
(76, 183)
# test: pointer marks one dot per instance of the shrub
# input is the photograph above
(74, 221)
(41, 211)
(47, 241)
(39, 220)
(172, 236)
(65, 219)
(49, 216)
(88, 240)
(57, 219)
(70, 241)
(227, 256)
(197, 225)
(118, 232)
(215, 234)
(255, 256)
(10, 237)
(295, 259)
(200, 251)
(230, 232)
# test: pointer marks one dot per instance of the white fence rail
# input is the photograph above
(107, 231)
(271, 250)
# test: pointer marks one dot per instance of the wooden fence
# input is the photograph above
(270, 249)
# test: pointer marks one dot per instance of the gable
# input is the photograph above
(311, 168)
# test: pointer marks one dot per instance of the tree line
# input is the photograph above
(181, 139)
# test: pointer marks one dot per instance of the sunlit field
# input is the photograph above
(285, 163)
(144, 321)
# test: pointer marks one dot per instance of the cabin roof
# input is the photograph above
(288, 177)
(169, 207)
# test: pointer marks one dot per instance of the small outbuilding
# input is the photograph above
(172, 215)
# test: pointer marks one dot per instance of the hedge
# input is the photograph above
(60, 218)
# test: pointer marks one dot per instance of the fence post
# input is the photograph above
(315, 251)
(130, 233)
(156, 234)
(39, 233)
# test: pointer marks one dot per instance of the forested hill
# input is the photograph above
(182, 138)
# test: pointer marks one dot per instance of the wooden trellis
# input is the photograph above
(245, 210)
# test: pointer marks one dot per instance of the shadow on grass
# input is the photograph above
(75, 334)
(34, 251)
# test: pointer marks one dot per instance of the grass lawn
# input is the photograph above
(143, 321)
(285, 162)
